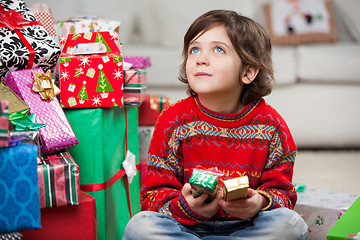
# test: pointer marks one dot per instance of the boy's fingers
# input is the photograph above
(251, 192)
(186, 189)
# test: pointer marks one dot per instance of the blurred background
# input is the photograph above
(316, 57)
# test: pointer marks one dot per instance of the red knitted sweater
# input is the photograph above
(255, 142)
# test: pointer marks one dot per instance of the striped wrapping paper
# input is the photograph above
(59, 181)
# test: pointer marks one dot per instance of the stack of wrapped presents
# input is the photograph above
(69, 145)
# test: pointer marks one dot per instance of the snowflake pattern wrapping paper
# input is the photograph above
(91, 80)
(30, 47)
(57, 135)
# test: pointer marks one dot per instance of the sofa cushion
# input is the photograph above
(165, 22)
(284, 64)
(296, 22)
(320, 115)
(337, 63)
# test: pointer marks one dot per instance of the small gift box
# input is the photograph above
(151, 108)
(134, 97)
(31, 137)
(57, 135)
(236, 188)
(4, 123)
(134, 87)
(19, 190)
(59, 181)
(135, 78)
(67, 222)
(203, 182)
(138, 62)
(24, 42)
(91, 71)
(88, 24)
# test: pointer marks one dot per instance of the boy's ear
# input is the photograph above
(249, 74)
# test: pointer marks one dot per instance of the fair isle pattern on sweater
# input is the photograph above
(255, 142)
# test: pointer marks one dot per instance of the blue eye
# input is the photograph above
(194, 50)
(219, 50)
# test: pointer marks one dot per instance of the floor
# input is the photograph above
(335, 170)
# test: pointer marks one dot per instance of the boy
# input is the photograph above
(225, 123)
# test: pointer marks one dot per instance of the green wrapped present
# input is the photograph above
(203, 182)
(103, 135)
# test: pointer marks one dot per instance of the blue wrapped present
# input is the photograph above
(19, 190)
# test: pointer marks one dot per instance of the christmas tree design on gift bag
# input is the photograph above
(103, 84)
(99, 38)
(82, 95)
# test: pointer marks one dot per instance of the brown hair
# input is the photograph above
(251, 42)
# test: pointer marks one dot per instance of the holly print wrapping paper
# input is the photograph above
(91, 71)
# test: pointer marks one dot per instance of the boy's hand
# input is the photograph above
(245, 208)
(198, 204)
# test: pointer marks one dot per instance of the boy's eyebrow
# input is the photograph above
(213, 42)
(220, 42)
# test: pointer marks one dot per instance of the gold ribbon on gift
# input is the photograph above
(44, 85)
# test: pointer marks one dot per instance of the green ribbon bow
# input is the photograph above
(24, 122)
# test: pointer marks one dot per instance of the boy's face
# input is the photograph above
(213, 66)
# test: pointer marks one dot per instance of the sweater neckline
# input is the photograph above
(226, 116)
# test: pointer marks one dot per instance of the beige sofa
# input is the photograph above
(318, 85)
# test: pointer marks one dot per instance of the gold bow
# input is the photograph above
(44, 85)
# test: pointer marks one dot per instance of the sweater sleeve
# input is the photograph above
(161, 191)
(276, 180)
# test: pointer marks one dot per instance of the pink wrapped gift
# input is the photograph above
(138, 61)
(58, 134)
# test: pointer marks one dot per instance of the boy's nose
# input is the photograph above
(202, 60)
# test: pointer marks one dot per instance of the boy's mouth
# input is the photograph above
(202, 74)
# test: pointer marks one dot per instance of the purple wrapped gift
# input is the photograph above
(57, 135)
(138, 61)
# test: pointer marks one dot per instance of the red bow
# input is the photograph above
(14, 20)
